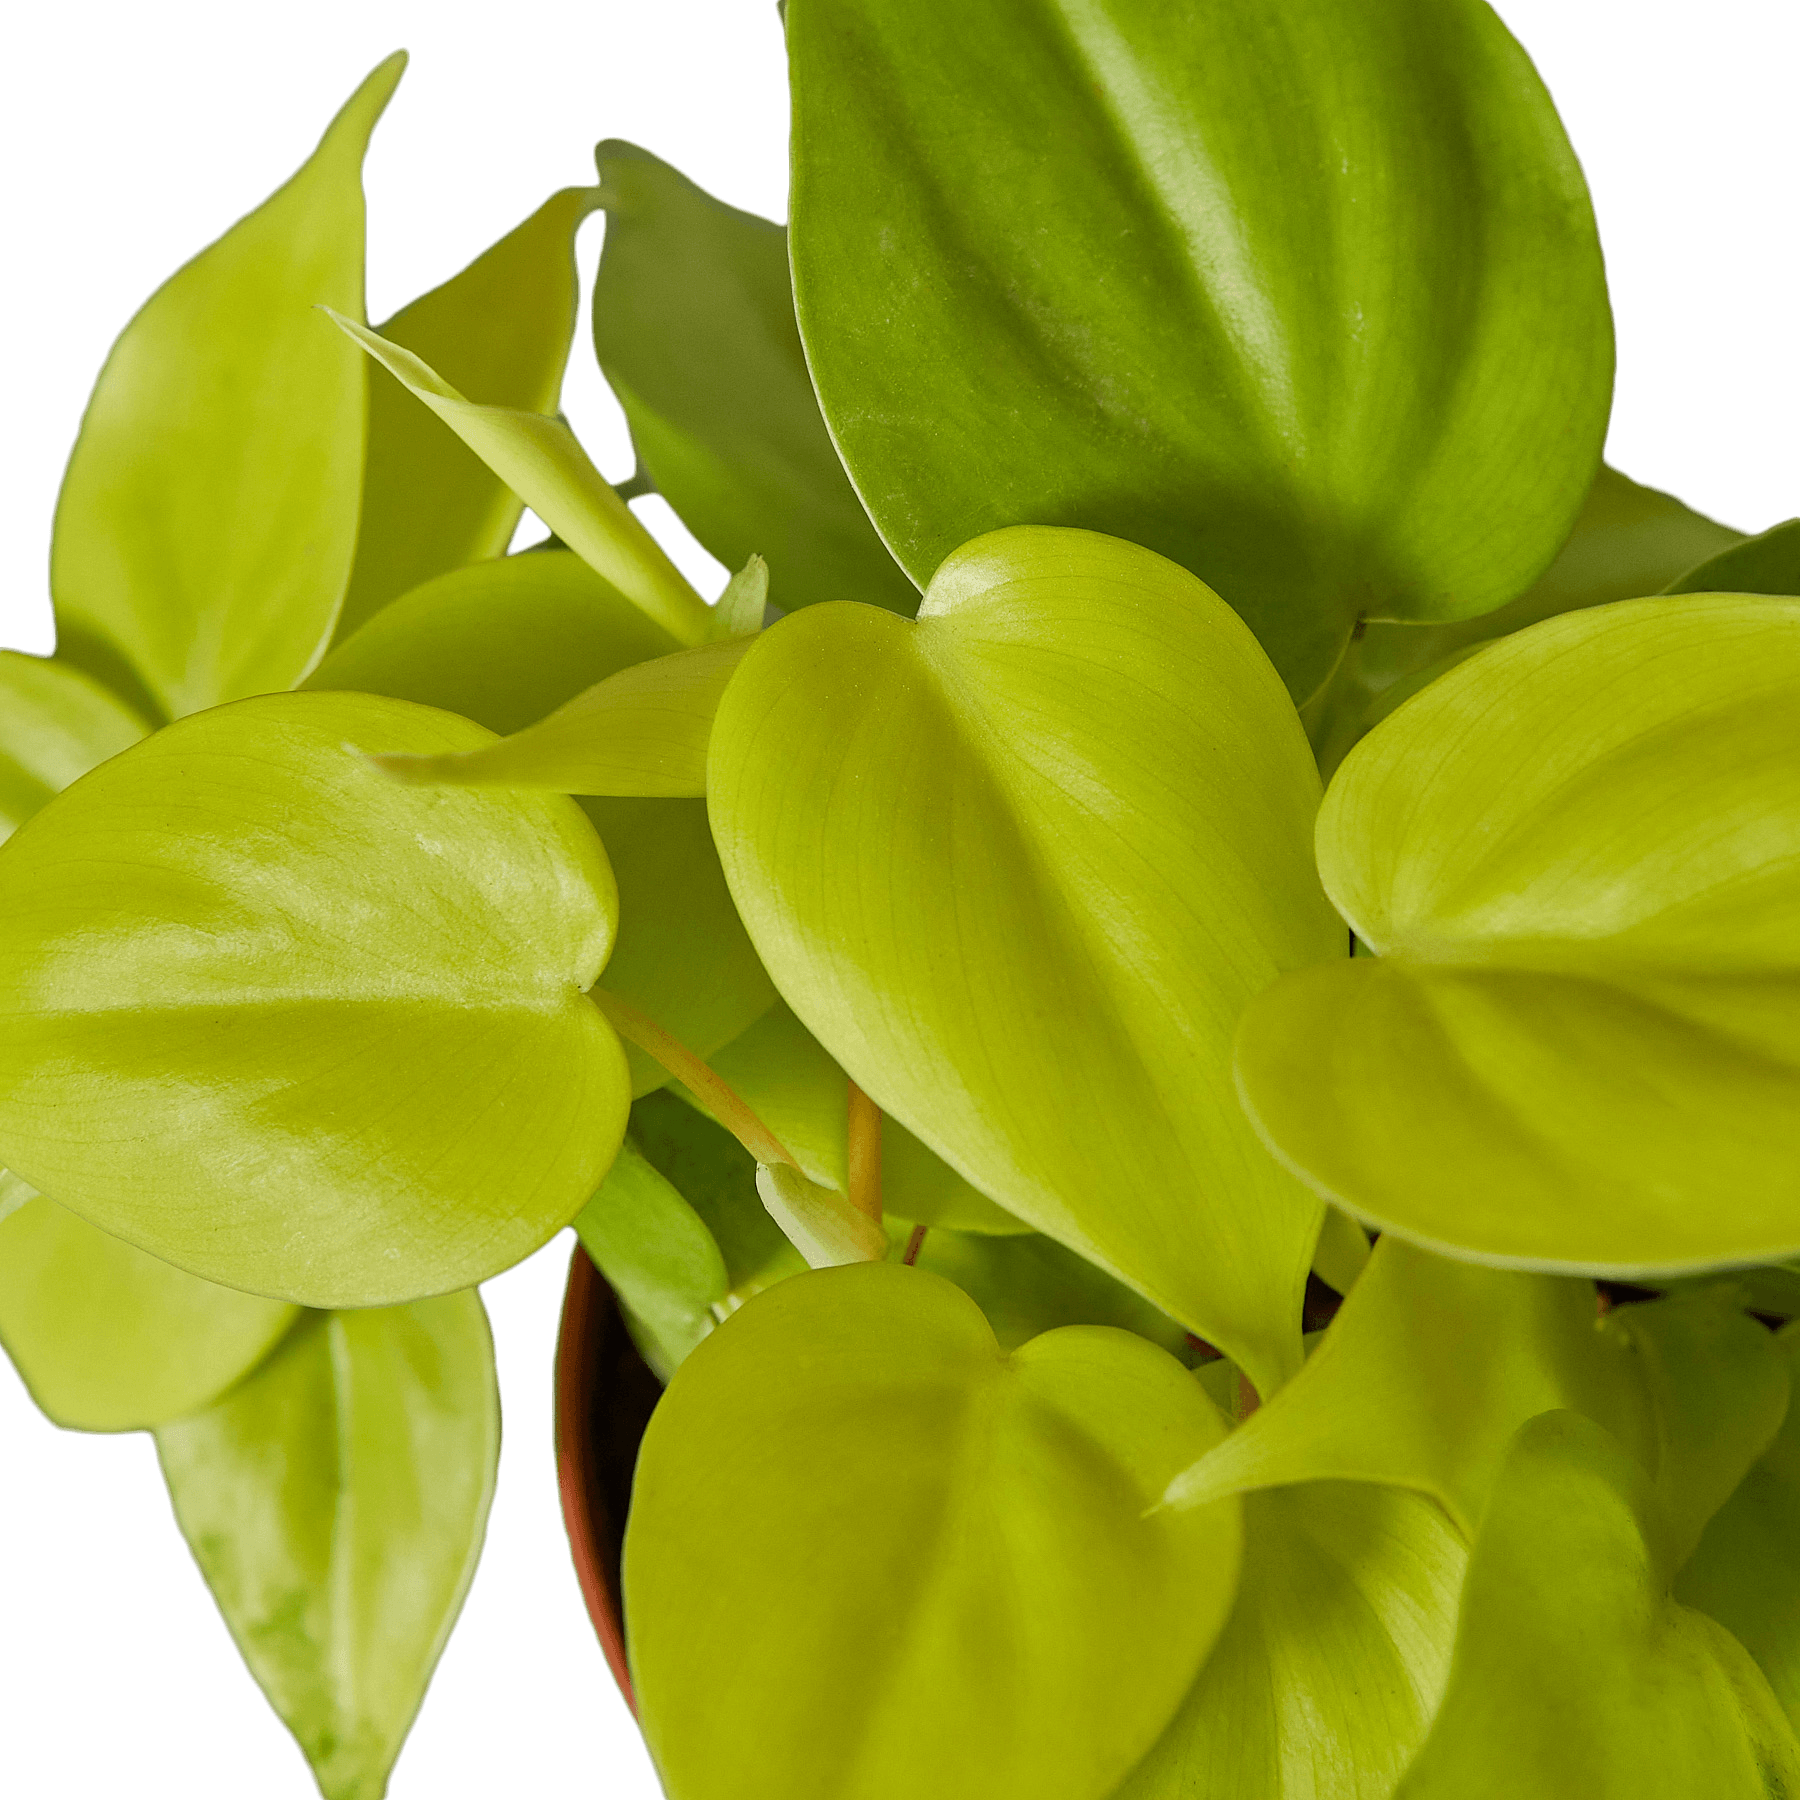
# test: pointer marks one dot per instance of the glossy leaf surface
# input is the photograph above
(336, 1503)
(694, 325)
(787, 1078)
(539, 459)
(1746, 1572)
(208, 520)
(1769, 564)
(298, 1028)
(657, 1256)
(1575, 1676)
(1629, 541)
(1422, 1379)
(110, 1339)
(642, 733)
(911, 1511)
(965, 854)
(499, 330)
(1325, 1681)
(509, 641)
(55, 724)
(1308, 297)
(1578, 857)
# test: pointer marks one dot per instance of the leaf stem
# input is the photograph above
(864, 1153)
(711, 1090)
(914, 1245)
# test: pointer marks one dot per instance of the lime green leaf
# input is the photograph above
(1575, 1676)
(109, 1339)
(909, 1513)
(14, 1194)
(642, 732)
(1422, 1379)
(1769, 564)
(208, 519)
(1308, 299)
(336, 1503)
(1718, 1389)
(743, 604)
(694, 325)
(657, 1256)
(787, 1078)
(55, 724)
(1578, 857)
(1325, 1681)
(1629, 541)
(500, 329)
(1342, 1252)
(297, 1028)
(1746, 1572)
(539, 459)
(1018, 866)
(506, 643)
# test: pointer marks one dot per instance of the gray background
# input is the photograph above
(132, 136)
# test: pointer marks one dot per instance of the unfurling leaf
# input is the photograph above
(207, 523)
(500, 330)
(108, 1338)
(1578, 859)
(819, 1221)
(1304, 295)
(335, 1503)
(300, 1029)
(1575, 1675)
(909, 1515)
(1018, 866)
(539, 459)
(743, 604)
(694, 326)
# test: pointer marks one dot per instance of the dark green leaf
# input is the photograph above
(1769, 564)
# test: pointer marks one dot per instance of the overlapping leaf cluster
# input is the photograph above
(1175, 409)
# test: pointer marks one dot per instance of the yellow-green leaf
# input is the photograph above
(335, 1503)
(499, 330)
(1018, 866)
(108, 1338)
(55, 724)
(298, 1028)
(207, 523)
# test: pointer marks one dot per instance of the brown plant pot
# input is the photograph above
(605, 1394)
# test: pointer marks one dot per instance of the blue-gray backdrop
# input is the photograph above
(130, 137)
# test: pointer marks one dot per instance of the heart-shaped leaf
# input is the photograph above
(1325, 1681)
(298, 1028)
(694, 325)
(501, 330)
(335, 1503)
(909, 1515)
(1309, 297)
(1629, 541)
(506, 643)
(1578, 857)
(1575, 1676)
(1426, 1372)
(1769, 564)
(55, 724)
(540, 460)
(208, 520)
(1018, 866)
(110, 1339)
(1746, 1571)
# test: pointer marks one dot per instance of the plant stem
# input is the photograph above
(713, 1093)
(864, 1154)
(914, 1245)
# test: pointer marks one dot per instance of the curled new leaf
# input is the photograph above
(1578, 857)
(208, 520)
(1018, 866)
(907, 1512)
(539, 459)
(297, 1028)
(500, 329)
(1307, 298)
(694, 325)
(335, 1503)
(110, 1339)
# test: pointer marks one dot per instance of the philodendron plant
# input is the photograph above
(1199, 770)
